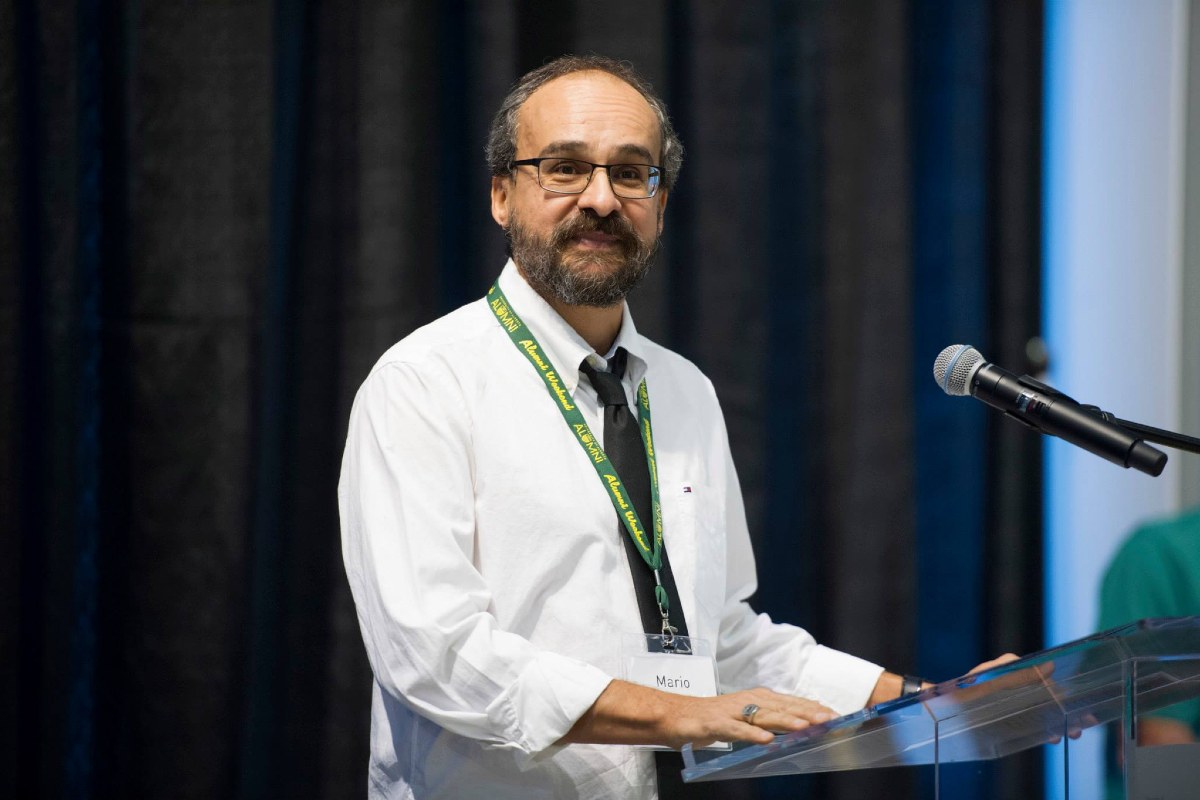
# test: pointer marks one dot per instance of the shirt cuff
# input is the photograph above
(546, 700)
(839, 680)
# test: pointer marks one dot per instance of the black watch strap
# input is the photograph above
(910, 684)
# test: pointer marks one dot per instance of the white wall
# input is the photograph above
(1113, 241)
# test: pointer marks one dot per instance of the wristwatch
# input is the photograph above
(910, 685)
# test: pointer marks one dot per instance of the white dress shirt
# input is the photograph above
(490, 581)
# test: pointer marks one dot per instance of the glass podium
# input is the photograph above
(1113, 676)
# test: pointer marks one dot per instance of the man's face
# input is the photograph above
(590, 248)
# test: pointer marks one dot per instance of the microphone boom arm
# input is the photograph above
(1179, 441)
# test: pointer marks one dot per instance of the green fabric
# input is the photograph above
(1155, 573)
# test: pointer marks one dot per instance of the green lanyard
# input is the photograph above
(651, 552)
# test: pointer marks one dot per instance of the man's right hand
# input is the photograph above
(626, 713)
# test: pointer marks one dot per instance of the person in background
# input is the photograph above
(1155, 573)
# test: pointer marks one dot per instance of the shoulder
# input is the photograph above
(463, 330)
(1155, 572)
(1163, 539)
(440, 362)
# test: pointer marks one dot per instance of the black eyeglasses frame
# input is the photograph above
(536, 163)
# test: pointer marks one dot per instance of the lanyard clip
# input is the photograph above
(660, 596)
(668, 630)
(671, 643)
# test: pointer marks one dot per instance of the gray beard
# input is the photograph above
(554, 274)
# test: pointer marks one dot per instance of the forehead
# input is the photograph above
(593, 109)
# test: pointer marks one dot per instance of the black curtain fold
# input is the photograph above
(215, 218)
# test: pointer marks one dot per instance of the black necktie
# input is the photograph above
(624, 448)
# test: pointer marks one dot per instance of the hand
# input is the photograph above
(1038, 673)
(887, 688)
(1152, 731)
(1007, 658)
(704, 720)
(626, 713)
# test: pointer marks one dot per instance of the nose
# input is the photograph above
(598, 196)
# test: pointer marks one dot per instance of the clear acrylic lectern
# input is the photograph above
(1112, 676)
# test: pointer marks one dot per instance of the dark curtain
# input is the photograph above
(215, 216)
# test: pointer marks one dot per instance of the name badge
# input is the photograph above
(694, 675)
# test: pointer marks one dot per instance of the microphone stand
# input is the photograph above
(1178, 441)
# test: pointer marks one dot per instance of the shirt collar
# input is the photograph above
(559, 340)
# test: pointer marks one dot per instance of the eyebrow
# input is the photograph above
(571, 148)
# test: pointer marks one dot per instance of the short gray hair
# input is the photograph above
(502, 139)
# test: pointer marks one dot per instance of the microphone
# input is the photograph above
(960, 370)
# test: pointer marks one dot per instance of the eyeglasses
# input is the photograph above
(572, 176)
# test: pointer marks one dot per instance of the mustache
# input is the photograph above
(588, 222)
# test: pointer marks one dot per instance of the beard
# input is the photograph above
(572, 277)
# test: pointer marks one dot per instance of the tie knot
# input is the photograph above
(607, 384)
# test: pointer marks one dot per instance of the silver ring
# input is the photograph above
(748, 713)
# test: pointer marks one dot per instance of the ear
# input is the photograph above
(502, 187)
(661, 197)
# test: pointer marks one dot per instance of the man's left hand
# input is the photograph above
(889, 683)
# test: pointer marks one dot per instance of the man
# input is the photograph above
(496, 571)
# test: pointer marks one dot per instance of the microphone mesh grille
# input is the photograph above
(954, 367)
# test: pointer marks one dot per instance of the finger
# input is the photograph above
(782, 721)
(775, 720)
(743, 732)
(814, 713)
(746, 733)
(734, 730)
(1007, 658)
(723, 729)
(763, 737)
(801, 707)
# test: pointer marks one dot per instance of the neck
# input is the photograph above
(598, 326)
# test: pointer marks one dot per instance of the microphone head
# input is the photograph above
(953, 368)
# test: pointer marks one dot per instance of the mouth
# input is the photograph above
(596, 240)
